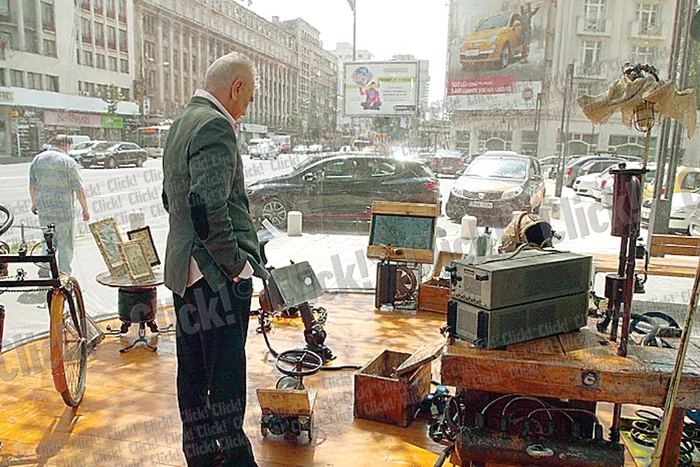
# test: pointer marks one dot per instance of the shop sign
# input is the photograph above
(253, 128)
(72, 119)
(112, 121)
(6, 96)
(14, 113)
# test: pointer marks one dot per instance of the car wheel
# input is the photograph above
(275, 211)
(454, 213)
(140, 161)
(505, 56)
(111, 163)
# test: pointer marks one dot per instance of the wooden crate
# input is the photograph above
(383, 397)
(433, 295)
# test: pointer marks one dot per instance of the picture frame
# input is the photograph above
(144, 236)
(107, 237)
(134, 256)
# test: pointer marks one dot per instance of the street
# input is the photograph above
(338, 259)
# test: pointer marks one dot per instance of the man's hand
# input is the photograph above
(35, 211)
(86, 215)
(236, 279)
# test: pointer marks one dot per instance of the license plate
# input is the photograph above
(471, 53)
(481, 204)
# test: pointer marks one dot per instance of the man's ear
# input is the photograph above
(236, 89)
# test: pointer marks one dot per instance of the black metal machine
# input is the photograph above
(396, 284)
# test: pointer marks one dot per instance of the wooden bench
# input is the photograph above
(674, 245)
(659, 265)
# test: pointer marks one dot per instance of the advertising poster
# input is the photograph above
(381, 89)
(495, 54)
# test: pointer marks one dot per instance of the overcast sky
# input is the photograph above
(384, 27)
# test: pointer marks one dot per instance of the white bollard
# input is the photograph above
(469, 230)
(555, 204)
(137, 219)
(294, 224)
(546, 213)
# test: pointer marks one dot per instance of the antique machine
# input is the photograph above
(288, 409)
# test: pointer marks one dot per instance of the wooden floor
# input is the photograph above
(129, 414)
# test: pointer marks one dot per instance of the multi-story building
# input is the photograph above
(318, 72)
(179, 40)
(62, 70)
(598, 37)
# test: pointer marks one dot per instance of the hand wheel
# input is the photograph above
(298, 362)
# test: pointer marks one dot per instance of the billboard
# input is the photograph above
(380, 89)
(495, 54)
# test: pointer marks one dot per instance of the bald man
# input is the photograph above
(212, 252)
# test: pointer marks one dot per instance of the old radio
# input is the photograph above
(515, 298)
(530, 276)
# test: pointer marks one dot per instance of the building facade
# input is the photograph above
(179, 40)
(318, 74)
(65, 70)
(598, 37)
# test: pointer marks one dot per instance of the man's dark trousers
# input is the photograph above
(211, 377)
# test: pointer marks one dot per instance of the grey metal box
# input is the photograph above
(530, 276)
(498, 328)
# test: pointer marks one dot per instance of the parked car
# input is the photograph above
(589, 174)
(547, 164)
(494, 185)
(574, 169)
(495, 40)
(694, 222)
(603, 189)
(341, 186)
(300, 149)
(683, 205)
(445, 162)
(263, 150)
(80, 149)
(687, 179)
(112, 154)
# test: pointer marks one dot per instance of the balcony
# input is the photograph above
(645, 31)
(593, 26)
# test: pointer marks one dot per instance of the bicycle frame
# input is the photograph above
(22, 257)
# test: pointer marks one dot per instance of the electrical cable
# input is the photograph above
(483, 411)
(527, 398)
(562, 409)
(261, 319)
(443, 455)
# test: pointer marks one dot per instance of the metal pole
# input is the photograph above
(354, 32)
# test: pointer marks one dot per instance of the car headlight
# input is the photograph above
(512, 193)
(457, 191)
(493, 39)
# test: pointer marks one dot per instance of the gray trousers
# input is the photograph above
(63, 243)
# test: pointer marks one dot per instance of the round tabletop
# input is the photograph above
(125, 282)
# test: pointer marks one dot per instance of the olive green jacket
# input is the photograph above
(204, 194)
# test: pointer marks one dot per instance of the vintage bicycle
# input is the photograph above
(68, 322)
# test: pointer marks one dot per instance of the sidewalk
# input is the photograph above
(339, 261)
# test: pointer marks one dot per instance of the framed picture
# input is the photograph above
(134, 256)
(107, 236)
(144, 236)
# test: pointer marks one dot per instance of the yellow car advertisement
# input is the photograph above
(495, 54)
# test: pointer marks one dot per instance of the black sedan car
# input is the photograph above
(112, 154)
(341, 186)
(494, 185)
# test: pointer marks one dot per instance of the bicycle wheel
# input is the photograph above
(68, 341)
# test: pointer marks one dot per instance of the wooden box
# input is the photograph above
(391, 387)
(433, 295)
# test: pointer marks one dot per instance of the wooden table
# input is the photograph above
(136, 303)
(580, 366)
